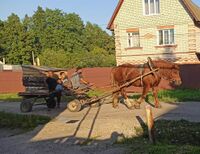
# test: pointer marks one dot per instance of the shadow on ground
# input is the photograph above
(93, 130)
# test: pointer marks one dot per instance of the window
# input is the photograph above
(166, 37)
(151, 7)
(133, 39)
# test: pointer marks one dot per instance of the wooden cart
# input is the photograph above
(36, 88)
(34, 81)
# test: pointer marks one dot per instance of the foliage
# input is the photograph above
(54, 59)
(16, 42)
(71, 42)
(25, 122)
(178, 137)
(94, 36)
(62, 59)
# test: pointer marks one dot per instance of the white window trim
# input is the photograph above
(132, 40)
(158, 37)
(153, 14)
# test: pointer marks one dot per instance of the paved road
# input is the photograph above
(102, 126)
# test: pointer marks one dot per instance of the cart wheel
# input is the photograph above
(74, 106)
(26, 105)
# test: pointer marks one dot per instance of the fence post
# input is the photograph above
(4, 61)
(38, 61)
(150, 124)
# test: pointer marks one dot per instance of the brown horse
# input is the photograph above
(126, 72)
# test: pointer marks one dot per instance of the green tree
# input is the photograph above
(96, 37)
(38, 25)
(12, 39)
(19, 41)
(54, 58)
(58, 38)
(73, 31)
(2, 50)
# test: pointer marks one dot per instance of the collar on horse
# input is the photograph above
(150, 63)
(151, 67)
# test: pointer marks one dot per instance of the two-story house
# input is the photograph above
(160, 29)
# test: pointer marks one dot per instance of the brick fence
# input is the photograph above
(11, 82)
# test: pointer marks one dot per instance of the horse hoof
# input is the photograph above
(131, 108)
(137, 106)
(115, 106)
(158, 106)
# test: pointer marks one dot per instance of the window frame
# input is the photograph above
(149, 6)
(130, 38)
(163, 35)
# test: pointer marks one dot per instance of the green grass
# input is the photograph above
(24, 122)
(173, 96)
(172, 137)
(95, 92)
(11, 97)
(168, 96)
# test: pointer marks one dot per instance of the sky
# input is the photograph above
(95, 11)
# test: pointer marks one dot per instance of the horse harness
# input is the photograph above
(150, 65)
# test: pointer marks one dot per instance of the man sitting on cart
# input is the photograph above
(78, 81)
(65, 80)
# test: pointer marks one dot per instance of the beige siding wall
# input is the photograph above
(171, 13)
(198, 39)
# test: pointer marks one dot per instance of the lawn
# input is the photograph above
(168, 96)
(172, 137)
(24, 122)
(11, 97)
(174, 96)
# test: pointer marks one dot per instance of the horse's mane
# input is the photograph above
(156, 64)
(164, 64)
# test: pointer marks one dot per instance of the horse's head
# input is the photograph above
(169, 71)
(174, 77)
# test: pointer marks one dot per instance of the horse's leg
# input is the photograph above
(115, 100)
(143, 96)
(127, 100)
(155, 95)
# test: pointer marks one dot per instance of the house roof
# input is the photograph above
(193, 9)
(110, 24)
